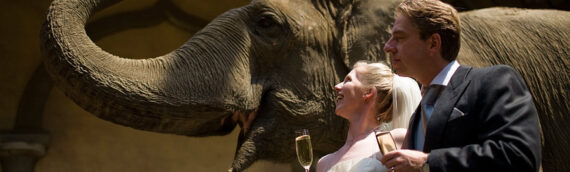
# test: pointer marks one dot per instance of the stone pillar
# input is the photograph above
(19, 152)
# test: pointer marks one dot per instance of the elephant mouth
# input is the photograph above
(243, 119)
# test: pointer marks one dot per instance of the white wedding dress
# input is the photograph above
(359, 157)
(369, 164)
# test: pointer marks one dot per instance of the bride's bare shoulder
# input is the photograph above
(325, 162)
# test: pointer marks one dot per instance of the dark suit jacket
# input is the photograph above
(484, 120)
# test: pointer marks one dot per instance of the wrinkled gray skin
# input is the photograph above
(463, 5)
(270, 67)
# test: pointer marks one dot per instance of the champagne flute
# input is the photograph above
(304, 148)
(385, 141)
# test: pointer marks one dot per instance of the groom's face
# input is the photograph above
(405, 48)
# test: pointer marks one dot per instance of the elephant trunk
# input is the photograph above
(190, 91)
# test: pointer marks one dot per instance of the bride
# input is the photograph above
(370, 96)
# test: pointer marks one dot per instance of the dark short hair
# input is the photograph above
(434, 16)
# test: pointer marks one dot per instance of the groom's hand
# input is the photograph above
(404, 160)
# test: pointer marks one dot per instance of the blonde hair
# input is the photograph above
(434, 16)
(380, 76)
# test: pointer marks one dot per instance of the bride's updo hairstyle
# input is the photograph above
(378, 75)
(398, 96)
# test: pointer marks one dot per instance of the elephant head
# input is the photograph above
(269, 66)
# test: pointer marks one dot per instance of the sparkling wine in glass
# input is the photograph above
(386, 142)
(304, 148)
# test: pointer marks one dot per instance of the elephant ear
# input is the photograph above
(364, 27)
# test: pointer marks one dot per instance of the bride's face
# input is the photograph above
(350, 95)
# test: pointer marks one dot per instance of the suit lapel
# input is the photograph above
(444, 106)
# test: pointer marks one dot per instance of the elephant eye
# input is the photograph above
(268, 26)
(265, 22)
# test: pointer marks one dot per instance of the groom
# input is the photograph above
(469, 119)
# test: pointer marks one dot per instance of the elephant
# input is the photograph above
(270, 67)
(463, 5)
